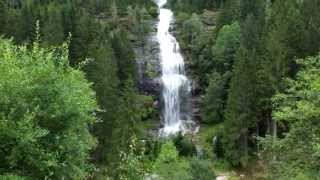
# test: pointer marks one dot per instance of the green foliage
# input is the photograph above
(214, 100)
(192, 28)
(140, 22)
(226, 46)
(169, 166)
(194, 5)
(3, 15)
(84, 31)
(242, 111)
(102, 71)
(132, 165)
(46, 108)
(241, 108)
(11, 177)
(184, 145)
(102, 47)
(153, 11)
(230, 13)
(311, 33)
(125, 56)
(296, 154)
(206, 135)
(224, 52)
(239, 51)
(279, 43)
(52, 28)
(196, 42)
(243, 63)
(201, 169)
(130, 113)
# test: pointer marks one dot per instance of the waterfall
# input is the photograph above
(175, 85)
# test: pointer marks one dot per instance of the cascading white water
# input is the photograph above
(175, 85)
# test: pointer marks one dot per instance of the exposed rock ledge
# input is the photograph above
(148, 64)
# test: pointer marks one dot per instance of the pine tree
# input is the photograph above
(3, 15)
(125, 56)
(230, 12)
(102, 72)
(226, 46)
(84, 31)
(129, 115)
(214, 100)
(28, 21)
(311, 33)
(53, 28)
(278, 59)
(242, 106)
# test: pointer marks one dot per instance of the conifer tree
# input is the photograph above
(53, 27)
(242, 106)
(28, 20)
(125, 56)
(230, 12)
(3, 15)
(310, 15)
(102, 72)
(131, 111)
(214, 101)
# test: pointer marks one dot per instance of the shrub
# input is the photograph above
(185, 145)
(202, 169)
(169, 165)
(46, 108)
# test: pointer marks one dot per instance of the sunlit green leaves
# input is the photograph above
(169, 165)
(299, 109)
(46, 108)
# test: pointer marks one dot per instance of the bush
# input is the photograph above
(185, 145)
(153, 11)
(202, 169)
(11, 177)
(46, 108)
(206, 137)
(169, 165)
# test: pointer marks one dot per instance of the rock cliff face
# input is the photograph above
(148, 64)
(149, 68)
(147, 52)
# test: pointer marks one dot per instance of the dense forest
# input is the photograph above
(71, 106)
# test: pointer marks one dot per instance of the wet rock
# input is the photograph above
(150, 86)
(196, 108)
(148, 63)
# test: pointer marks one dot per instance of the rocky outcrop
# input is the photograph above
(196, 110)
(148, 63)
